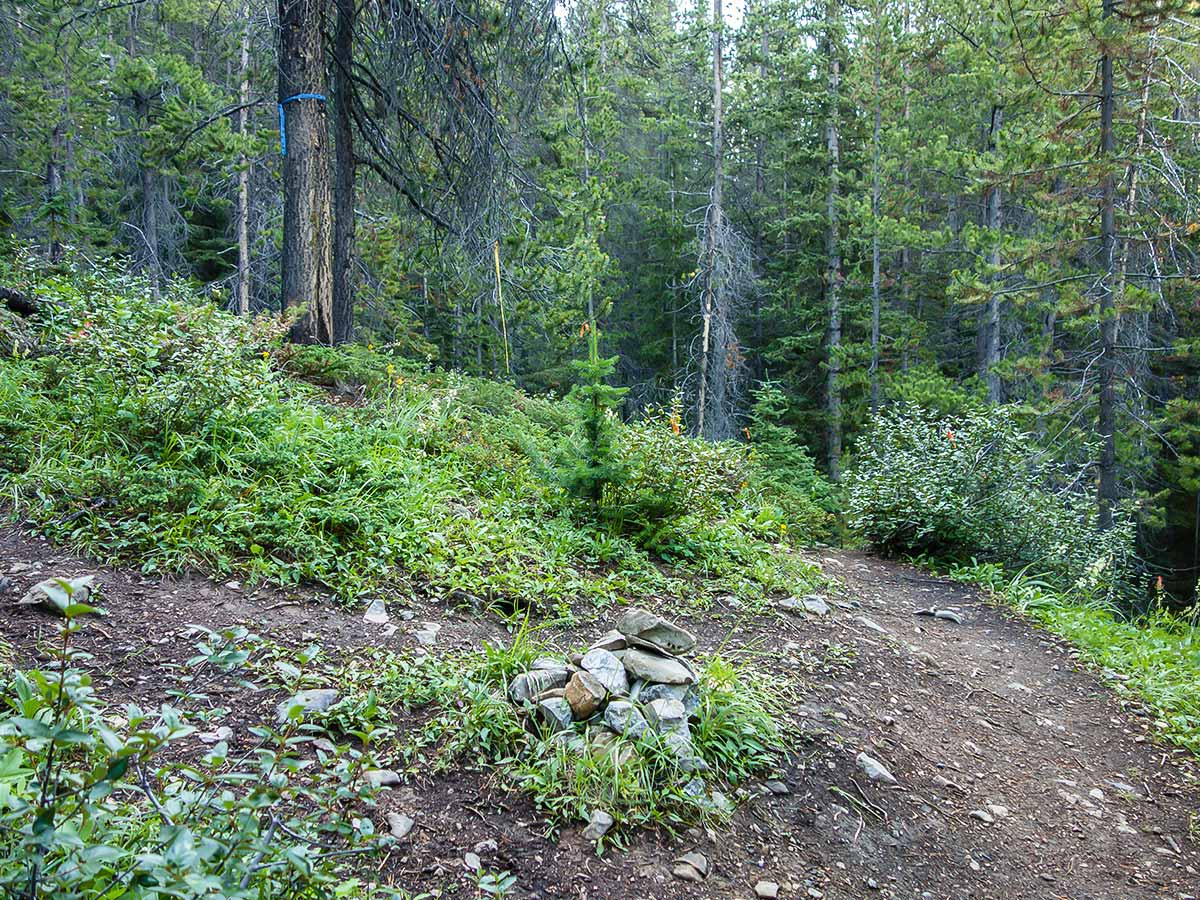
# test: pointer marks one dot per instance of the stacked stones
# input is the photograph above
(631, 680)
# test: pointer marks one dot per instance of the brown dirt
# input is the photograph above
(1096, 809)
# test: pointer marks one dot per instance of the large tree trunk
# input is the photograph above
(875, 260)
(344, 181)
(242, 211)
(833, 273)
(1106, 424)
(716, 214)
(989, 356)
(306, 269)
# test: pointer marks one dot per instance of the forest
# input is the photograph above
(475, 447)
(954, 204)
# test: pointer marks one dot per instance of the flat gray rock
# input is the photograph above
(684, 693)
(651, 666)
(315, 700)
(646, 627)
(598, 825)
(399, 825)
(874, 769)
(556, 713)
(625, 718)
(606, 669)
(529, 685)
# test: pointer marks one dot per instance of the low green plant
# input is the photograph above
(93, 805)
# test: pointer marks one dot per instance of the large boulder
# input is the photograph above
(644, 628)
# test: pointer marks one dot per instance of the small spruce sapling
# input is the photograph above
(590, 460)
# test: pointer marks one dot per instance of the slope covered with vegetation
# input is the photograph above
(170, 434)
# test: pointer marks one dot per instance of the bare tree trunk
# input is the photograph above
(716, 212)
(242, 209)
(306, 268)
(875, 262)
(989, 356)
(1106, 424)
(54, 187)
(344, 177)
(833, 274)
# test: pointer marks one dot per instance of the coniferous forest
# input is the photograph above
(555, 317)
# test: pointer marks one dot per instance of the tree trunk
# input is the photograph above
(242, 210)
(833, 274)
(54, 187)
(875, 262)
(716, 212)
(989, 355)
(306, 268)
(1106, 424)
(344, 181)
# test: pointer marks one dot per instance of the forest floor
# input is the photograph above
(1020, 773)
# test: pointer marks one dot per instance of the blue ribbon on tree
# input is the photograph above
(283, 120)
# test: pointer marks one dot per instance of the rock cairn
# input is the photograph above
(632, 680)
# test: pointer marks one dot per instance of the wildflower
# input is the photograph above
(746, 431)
(391, 370)
(950, 437)
(584, 329)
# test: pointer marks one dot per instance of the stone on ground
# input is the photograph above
(606, 669)
(598, 825)
(651, 666)
(399, 825)
(644, 626)
(874, 769)
(314, 700)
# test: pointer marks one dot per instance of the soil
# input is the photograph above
(1020, 772)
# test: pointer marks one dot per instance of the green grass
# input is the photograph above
(1157, 656)
(464, 718)
(170, 435)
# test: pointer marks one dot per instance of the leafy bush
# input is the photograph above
(93, 805)
(785, 474)
(974, 485)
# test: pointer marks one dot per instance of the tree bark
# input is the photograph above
(1106, 423)
(875, 261)
(306, 268)
(54, 187)
(344, 176)
(242, 211)
(716, 213)
(989, 355)
(833, 273)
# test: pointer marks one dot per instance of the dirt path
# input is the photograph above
(1018, 776)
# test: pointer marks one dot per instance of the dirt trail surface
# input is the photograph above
(1018, 774)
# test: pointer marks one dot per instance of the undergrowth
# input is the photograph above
(173, 435)
(95, 803)
(464, 717)
(1155, 657)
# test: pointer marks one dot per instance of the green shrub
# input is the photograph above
(92, 804)
(974, 485)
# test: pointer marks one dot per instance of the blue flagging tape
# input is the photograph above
(283, 120)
